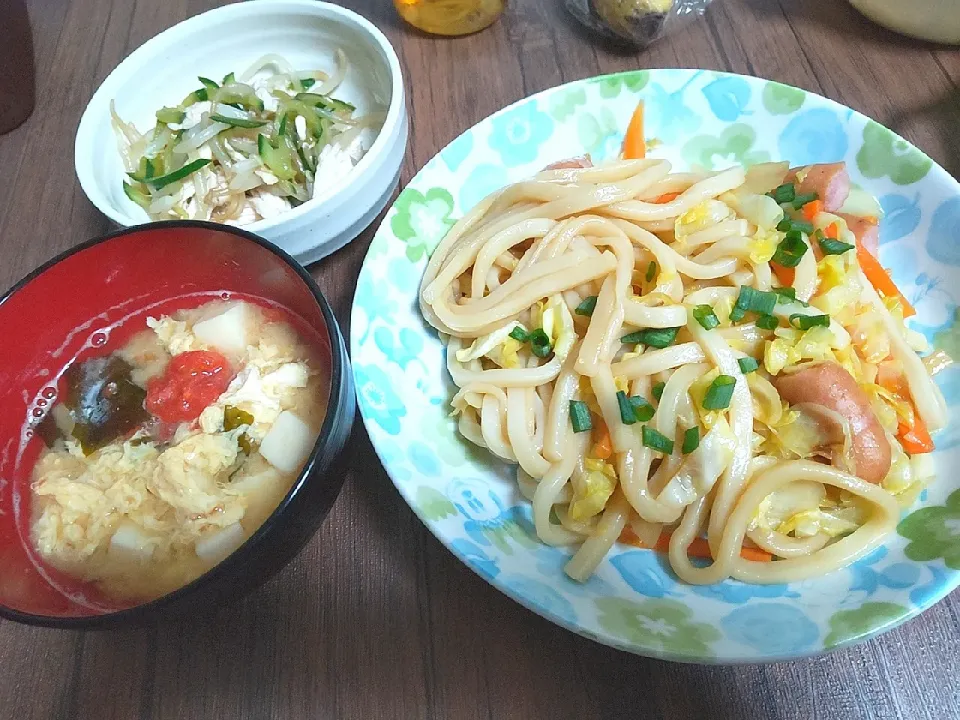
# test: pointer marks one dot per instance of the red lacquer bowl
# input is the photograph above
(91, 298)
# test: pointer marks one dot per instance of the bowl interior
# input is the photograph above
(95, 297)
(164, 70)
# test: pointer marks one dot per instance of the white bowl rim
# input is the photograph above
(175, 33)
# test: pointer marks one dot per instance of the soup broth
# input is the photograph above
(166, 455)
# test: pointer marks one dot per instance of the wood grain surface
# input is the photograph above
(375, 619)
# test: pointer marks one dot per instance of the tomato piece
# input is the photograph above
(192, 381)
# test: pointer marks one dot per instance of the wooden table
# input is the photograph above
(375, 618)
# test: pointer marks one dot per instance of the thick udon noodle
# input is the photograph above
(574, 233)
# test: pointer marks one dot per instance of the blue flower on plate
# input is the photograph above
(896, 576)
(423, 459)
(476, 558)
(404, 276)
(645, 572)
(487, 521)
(377, 399)
(401, 351)
(518, 133)
(728, 97)
(929, 294)
(457, 151)
(372, 297)
(949, 383)
(923, 594)
(668, 116)
(814, 136)
(773, 628)
(901, 216)
(393, 460)
(543, 597)
(481, 181)
(737, 593)
(944, 230)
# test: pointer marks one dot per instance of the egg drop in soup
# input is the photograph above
(167, 454)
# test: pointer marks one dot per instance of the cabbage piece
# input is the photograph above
(700, 469)
(797, 497)
(485, 344)
(700, 217)
(592, 489)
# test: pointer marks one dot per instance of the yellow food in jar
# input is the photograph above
(450, 17)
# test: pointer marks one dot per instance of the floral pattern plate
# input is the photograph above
(469, 500)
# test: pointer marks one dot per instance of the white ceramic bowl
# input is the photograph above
(307, 33)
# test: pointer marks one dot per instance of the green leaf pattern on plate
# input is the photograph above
(883, 153)
(934, 532)
(433, 505)
(612, 85)
(564, 105)
(847, 625)
(781, 99)
(422, 219)
(597, 133)
(730, 147)
(661, 624)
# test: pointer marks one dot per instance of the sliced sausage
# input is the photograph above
(581, 162)
(829, 181)
(832, 387)
(867, 232)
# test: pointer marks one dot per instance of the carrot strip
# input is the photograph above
(699, 548)
(666, 197)
(634, 143)
(812, 209)
(881, 280)
(784, 274)
(915, 439)
(602, 446)
(832, 231)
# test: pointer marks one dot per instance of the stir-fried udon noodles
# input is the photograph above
(712, 364)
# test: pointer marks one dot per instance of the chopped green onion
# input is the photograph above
(518, 333)
(758, 301)
(587, 306)
(540, 343)
(641, 408)
(691, 440)
(834, 247)
(786, 294)
(170, 115)
(307, 83)
(768, 322)
(784, 193)
(654, 337)
(627, 414)
(805, 322)
(657, 390)
(747, 364)
(719, 393)
(282, 127)
(580, 416)
(188, 169)
(800, 200)
(229, 78)
(790, 250)
(651, 271)
(705, 315)
(237, 122)
(788, 224)
(656, 440)
(737, 314)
